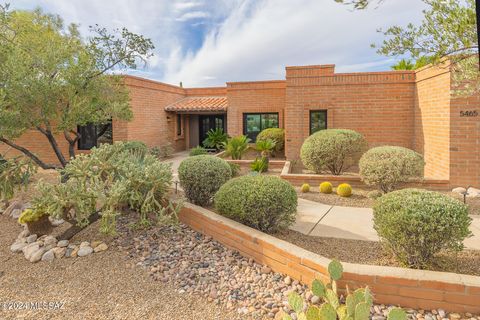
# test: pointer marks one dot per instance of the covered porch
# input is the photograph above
(195, 116)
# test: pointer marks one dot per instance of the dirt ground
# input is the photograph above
(99, 286)
(372, 253)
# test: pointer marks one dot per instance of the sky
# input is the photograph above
(210, 42)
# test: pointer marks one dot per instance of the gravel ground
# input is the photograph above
(100, 286)
(357, 199)
(370, 252)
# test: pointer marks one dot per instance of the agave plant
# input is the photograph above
(215, 139)
(356, 305)
(236, 147)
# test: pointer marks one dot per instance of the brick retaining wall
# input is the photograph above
(405, 287)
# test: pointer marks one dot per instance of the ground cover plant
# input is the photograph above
(387, 167)
(415, 225)
(264, 202)
(201, 177)
(332, 149)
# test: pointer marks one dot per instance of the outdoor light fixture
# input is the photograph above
(465, 193)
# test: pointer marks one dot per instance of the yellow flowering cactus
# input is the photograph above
(30, 215)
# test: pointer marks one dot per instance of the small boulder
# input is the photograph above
(59, 252)
(84, 251)
(17, 247)
(96, 243)
(32, 238)
(459, 190)
(48, 256)
(101, 247)
(25, 233)
(62, 243)
(473, 192)
(85, 244)
(30, 249)
(50, 241)
(74, 252)
(37, 255)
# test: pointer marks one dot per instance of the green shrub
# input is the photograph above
(416, 224)
(356, 305)
(236, 147)
(275, 134)
(216, 139)
(260, 165)
(332, 149)
(266, 203)
(106, 180)
(138, 147)
(235, 169)
(201, 176)
(387, 167)
(198, 150)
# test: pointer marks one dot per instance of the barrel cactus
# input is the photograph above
(344, 190)
(305, 188)
(357, 304)
(326, 187)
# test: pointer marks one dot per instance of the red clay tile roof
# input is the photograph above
(191, 104)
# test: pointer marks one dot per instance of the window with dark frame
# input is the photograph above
(254, 123)
(318, 120)
(179, 124)
(92, 135)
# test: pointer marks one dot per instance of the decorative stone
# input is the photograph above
(101, 247)
(266, 270)
(50, 241)
(473, 192)
(459, 190)
(25, 233)
(13, 206)
(48, 256)
(287, 280)
(32, 238)
(37, 255)
(59, 252)
(85, 244)
(62, 243)
(84, 251)
(74, 252)
(17, 247)
(95, 244)
(315, 299)
(30, 249)
(16, 213)
(68, 252)
(56, 222)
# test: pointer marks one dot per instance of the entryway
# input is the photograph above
(208, 122)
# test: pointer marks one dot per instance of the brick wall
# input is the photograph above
(400, 286)
(253, 97)
(432, 120)
(151, 123)
(379, 105)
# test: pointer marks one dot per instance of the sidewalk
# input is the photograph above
(320, 220)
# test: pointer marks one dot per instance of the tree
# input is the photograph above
(450, 30)
(52, 80)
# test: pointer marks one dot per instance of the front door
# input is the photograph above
(207, 122)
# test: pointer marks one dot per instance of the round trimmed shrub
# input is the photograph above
(416, 224)
(332, 149)
(277, 134)
(201, 176)
(326, 187)
(344, 190)
(305, 188)
(386, 167)
(266, 203)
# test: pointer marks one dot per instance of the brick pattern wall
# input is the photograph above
(409, 288)
(378, 105)
(465, 142)
(432, 120)
(151, 123)
(253, 97)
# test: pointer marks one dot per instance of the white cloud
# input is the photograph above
(245, 39)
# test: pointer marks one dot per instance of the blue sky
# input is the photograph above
(210, 42)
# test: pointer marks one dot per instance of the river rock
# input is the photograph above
(50, 241)
(31, 238)
(48, 256)
(17, 247)
(85, 251)
(101, 247)
(30, 249)
(59, 252)
(37, 255)
(62, 243)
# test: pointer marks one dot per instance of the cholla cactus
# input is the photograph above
(356, 307)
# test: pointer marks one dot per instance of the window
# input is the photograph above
(179, 124)
(254, 123)
(318, 120)
(94, 135)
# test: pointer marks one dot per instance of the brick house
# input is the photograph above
(413, 109)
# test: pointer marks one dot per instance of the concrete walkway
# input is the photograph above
(320, 220)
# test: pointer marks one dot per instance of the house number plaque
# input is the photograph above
(469, 113)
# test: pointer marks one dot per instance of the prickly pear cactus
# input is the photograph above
(397, 314)
(318, 288)
(362, 311)
(335, 269)
(327, 312)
